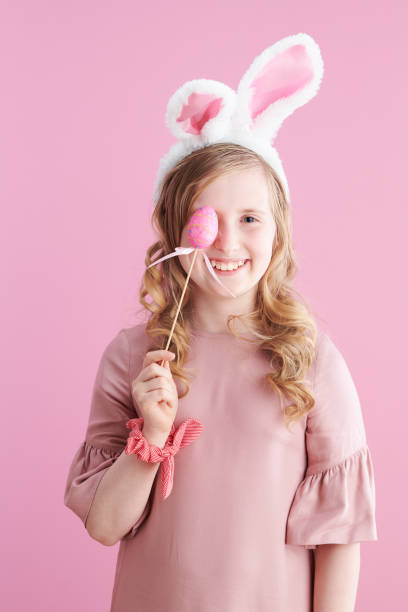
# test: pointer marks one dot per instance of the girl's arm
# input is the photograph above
(122, 495)
(337, 568)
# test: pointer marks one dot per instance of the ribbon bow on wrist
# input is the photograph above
(137, 444)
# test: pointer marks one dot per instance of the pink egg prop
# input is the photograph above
(203, 227)
(202, 230)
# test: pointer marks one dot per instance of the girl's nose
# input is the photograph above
(226, 239)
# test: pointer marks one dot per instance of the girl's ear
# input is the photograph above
(200, 110)
(282, 78)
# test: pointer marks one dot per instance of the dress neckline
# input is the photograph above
(216, 335)
(207, 334)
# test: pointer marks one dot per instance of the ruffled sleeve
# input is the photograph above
(335, 501)
(106, 435)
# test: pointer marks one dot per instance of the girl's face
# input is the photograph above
(246, 231)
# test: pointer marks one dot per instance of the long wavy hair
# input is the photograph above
(282, 324)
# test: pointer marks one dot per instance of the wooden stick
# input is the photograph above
(179, 305)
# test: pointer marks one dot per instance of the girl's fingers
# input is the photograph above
(157, 357)
(156, 381)
(154, 370)
(160, 382)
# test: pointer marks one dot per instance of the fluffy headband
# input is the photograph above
(202, 112)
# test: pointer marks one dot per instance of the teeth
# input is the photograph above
(224, 266)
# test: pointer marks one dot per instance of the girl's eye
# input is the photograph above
(250, 218)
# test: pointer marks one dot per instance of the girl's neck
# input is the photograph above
(210, 315)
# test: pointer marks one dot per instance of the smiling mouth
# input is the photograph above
(228, 269)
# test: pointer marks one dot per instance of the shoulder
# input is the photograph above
(331, 367)
(135, 335)
(337, 404)
(126, 342)
(138, 343)
(324, 344)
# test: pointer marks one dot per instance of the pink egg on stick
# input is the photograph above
(203, 227)
(202, 230)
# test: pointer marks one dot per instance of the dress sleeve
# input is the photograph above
(335, 501)
(106, 435)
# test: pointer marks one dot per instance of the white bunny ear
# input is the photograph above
(200, 111)
(282, 78)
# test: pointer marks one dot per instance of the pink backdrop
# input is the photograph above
(84, 91)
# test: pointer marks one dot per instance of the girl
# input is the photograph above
(270, 502)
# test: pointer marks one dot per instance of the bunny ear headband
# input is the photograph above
(201, 112)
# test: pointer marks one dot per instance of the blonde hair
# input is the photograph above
(283, 326)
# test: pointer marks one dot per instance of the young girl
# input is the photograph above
(270, 502)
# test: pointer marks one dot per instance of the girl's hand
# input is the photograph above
(155, 393)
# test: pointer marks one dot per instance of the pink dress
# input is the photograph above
(250, 500)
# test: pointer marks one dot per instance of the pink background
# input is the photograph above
(84, 88)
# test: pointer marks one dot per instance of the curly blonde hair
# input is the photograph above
(283, 326)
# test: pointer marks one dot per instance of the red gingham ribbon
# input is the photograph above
(137, 444)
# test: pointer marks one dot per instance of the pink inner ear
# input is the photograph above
(199, 109)
(282, 76)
